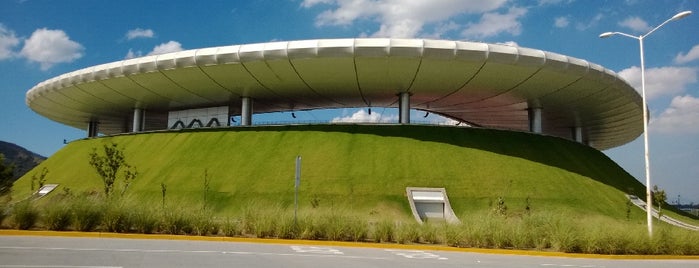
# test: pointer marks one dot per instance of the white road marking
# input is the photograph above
(317, 250)
(335, 255)
(416, 254)
(55, 266)
(571, 265)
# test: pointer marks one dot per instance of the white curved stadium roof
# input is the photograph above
(488, 85)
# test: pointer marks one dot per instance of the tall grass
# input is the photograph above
(57, 217)
(549, 231)
(87, 213)
(24, 215)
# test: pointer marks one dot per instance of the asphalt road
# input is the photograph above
(72, 252)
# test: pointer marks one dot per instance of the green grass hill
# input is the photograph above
(361, 167)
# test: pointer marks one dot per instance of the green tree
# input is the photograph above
(6, 174)
(109, 164)
(659, 197)
(40, 177)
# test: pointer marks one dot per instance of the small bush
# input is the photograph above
(261, 221)
(232, 227)
(25, 215)
(564, 236)
(429, 233)
(117, 218)
(87, 214)
(3, 211)
(144, 220)
(286, 228)
(177, 222)
(203, 224)
(357, 229)
(384, 231)
(57, 217)
(407, 232)
(454, 235)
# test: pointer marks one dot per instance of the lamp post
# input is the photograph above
(640, 38)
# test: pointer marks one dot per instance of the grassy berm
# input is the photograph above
(360, 170)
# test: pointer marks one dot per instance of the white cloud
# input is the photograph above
(8, 41)
(131, 54)
(682, 117)
(661, 81)
(49, 47)
(554, 2)
(397, 18)
(635, 23)
(362, 116)
(492, 24)
(692, 55)
(510, 43)
(561, 22)
(171, 46)
(139, 33)
(590, 24)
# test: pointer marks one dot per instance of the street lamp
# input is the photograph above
(640, 38)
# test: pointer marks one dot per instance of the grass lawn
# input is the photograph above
(358, 167)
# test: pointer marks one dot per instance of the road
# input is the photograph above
(76, 252)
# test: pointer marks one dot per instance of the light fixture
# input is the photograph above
(649, 198)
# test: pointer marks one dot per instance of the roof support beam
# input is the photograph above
(577, 134)
(535, 120)
(92, 128)
(404, 108)
(138, 119)
(246, 111)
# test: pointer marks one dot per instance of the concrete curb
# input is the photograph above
(342, 244)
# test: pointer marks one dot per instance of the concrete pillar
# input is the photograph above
(535, 120)
(246, 111)
(92, 129)
(404, 108)
(138, 119)
(577, 134)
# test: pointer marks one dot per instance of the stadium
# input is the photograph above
(479, 84)
(528, 127)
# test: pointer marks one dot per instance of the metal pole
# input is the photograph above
(297, 182)
(649, 198)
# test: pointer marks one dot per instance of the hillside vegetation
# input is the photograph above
(22, 159)
(359, 167)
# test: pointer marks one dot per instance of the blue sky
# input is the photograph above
(41, 39)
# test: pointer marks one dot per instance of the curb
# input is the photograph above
(341, 244)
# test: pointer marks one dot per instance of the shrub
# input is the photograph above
(454, 235)
(309, 227)
(57, 217)
(407, 232)
(384, 231)
(203, 223)
(564, 235)
(87, 214)
(286, 228)
(25, 215)
(357, 229)
(3, 211)
(429, 233)
(144, 220)
(117, 218)
(334, 227)
(232, 227)
(176, 222)
(261, 221)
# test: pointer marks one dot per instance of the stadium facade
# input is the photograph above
(480, 84)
